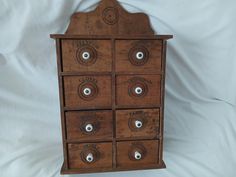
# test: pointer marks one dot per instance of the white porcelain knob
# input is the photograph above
(138, 90)
(89, 157)
(138, 124)
(89, 128)
(85, 55)
(87, 91)
(139, 55)
(137, 155)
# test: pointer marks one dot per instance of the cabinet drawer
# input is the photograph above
(138, 90)
(87, 92)
(137, 153)
(86, 55)
(89, 125)
(141, 123)
(138, 55)
(90, 155)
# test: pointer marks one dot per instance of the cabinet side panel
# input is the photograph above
(164, 45)
(61, 96)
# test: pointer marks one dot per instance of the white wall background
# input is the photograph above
(200, 122)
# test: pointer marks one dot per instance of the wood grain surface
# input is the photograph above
(125, 123)
(125, 49)
(151, 85)
(149, 154)
(103, 159)
(101, 122)
(100, 61)
(103, 83)
(73, 93)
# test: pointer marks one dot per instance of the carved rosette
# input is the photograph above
(88, 89)
(90, 150)
(134, 148)
(91, 120)
(86, 55)
(137, 88)
(137, 116)
(110, 15)
(134, 57)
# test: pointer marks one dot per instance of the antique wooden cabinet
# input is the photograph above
(111, 70)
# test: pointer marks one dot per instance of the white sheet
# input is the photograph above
(200, 115)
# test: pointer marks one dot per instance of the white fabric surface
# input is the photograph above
(200, 115)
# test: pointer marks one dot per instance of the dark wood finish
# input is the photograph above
(100, 73)
(148, 149)
(117, 169)
(137, 123)
(164, 50)
(113, 102)
(120, 37)
(102, 154)
(72, 51)
(99, 122)
(126, 59)
(100, 91)
(151, 90)
(60, 83)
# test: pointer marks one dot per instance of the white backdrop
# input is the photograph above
(200, 115)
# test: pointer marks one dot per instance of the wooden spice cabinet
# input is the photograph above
(111, 71)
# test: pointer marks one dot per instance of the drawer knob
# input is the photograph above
(138, 124)
(89, 158)
(87, 91)
(140, 55)
(89, 128)
(137, 155)
(137, 151)
(137, 87)
(90, 154)
(86, 55)
(138, 90)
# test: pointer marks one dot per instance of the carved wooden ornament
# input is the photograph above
(109, 18)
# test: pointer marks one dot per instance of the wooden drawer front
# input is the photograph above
(137, 153)
(90, 155)
(87, 92)
(86, 55)
(138, 55)
(140, 123)
(89, 125)
(138, 90)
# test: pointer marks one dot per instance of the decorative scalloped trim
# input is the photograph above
(109, 18)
